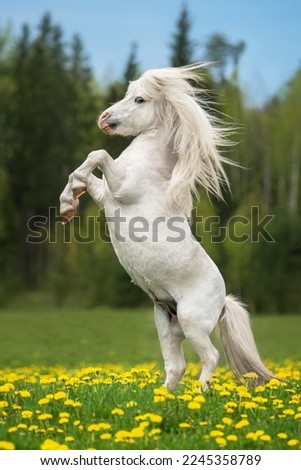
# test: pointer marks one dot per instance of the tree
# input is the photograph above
(182, 47)
(131, 71)
(49, 129)
(219, 50)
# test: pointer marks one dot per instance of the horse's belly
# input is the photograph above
(160, 268)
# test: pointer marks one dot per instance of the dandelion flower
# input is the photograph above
(24, 393)
(5, 445)
(231, 437)
(221, 441)
(241, 424)
(50, 444)
(26, 414)
(59, 395)
(227, 421)
(117, 411)
(105, 436)
(265, 438)
(292, 442)
(216, 433)
(282, 435)
(192, 405)
(43, 401)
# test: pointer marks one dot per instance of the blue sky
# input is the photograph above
(270, 28)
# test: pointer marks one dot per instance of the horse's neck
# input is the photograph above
(151, 150)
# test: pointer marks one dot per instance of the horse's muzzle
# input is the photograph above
(106, 123)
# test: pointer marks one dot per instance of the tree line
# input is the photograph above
(50, 101)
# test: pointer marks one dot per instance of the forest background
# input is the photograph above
(50, 101)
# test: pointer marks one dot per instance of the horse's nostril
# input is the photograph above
(113, 122)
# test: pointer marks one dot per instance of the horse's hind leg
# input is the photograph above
(171, 337)
(197, 329)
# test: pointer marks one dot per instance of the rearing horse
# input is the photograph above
(149, 190)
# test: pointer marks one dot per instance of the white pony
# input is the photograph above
(147, 194)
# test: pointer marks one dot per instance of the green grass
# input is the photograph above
(47, 354)
(73, 337)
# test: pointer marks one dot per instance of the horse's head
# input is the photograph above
(134, 114)
(166, 98)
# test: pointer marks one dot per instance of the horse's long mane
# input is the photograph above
(194, 135)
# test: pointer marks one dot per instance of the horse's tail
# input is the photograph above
(238, 341)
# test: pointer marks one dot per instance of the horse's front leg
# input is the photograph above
(82, 180)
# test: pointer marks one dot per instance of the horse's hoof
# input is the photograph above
(65, 218)
(78, 192)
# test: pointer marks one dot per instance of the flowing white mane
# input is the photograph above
(194, 135)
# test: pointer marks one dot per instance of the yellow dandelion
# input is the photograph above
(5, 445)
(26, 414)
(69, 402)
(231, 404)
(159, 399)
(131, 403)
(224, 393)
(22, 426)
(154, 432)
(105, 436)
(76, 404)
(24, 393)
(259, 399)
(154, 418)
(123, 435)
(45, 416)
(185, 397)
(69, 438)
(199, 399)
(221, 441)
(297, 416)
(250, 375)
(265, 438)
(288, 411)
(137, 432)
(8, 387)
(227, 421)
(184, 425)
(63, 420)
(3, 404)
(64, 414)
(216, 433)
(43, 401)
(59, 395)
(12, 429)
(273, 384)
(282, 435)
(63, 377)
(293, 442)
(241, 424)
(50, 444)
(117, 411)
(192, 405)
(33, 427)
(231, 437)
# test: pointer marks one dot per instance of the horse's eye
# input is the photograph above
(139, 100)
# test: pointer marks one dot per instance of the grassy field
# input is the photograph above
(93, 379)
(73, 337)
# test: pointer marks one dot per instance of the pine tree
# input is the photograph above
(131, 71)
(182, 47)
